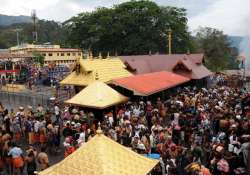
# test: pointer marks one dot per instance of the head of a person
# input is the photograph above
(31, 154)
(43, 149)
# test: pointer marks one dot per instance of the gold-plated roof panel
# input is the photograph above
(97, 95)
(107, 69)
(102, 156)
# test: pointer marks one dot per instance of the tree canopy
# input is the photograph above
(219, 54)
(38, 58)
(131, 28)
(134, 27)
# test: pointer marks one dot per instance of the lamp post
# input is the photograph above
(17, 35)
(169, 31)
(242, 64)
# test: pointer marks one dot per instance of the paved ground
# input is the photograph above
(54, 157)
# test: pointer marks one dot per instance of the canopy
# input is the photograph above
(150, 83)
(102, 156)
(88, 70)
(97, 95)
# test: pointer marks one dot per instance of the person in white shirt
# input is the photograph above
(137, 111)
(57, 113)
(128, 113)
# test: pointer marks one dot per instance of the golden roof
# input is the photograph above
(97, 95)
(91, 69)
(102, 156)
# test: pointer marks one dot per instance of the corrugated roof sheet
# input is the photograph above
(56, 50)
(236, 72)
(91, 69)
(150, 83)
(97, 95)
(102, 156)
(6, 55)
(156, 63)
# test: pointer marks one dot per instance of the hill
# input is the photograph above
(48, 31)
(6, 20)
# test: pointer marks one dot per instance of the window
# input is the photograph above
(44, 54)
(58, 54)
(74, 54)
(62, 54)
(79, 54)
(50, 54)
(68, 54)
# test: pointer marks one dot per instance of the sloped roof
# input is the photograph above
(195, 58)
(150, 83)
(91, 69)
(97, 95)
(102, 156)
(6, 55)
(156, 63)
(236, 72)
(57, 50)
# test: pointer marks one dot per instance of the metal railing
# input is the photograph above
(15, 99)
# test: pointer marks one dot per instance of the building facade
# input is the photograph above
(12, 65)
(53, 54)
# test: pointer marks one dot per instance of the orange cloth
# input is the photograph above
(31, 138)
(18, 136)
(42, 138)
(18, 162)
(69, 151)
(36, 137)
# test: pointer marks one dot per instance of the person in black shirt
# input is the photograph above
(67, 131)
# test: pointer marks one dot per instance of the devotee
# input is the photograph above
(16, 154)
(193, 131)
(42, 159)
(30, 159)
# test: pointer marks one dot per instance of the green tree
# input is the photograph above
(217, 48)
(134, 27)
(38, 58)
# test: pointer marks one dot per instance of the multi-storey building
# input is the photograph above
(53, 54)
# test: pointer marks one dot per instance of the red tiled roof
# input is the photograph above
(155, 63)
(150, 83)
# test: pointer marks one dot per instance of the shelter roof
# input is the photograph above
(155, 63)
(7, 55)
(91, 69)
(97, 95)
(57, 50)
(150, 83)
(236, 72)
(102, 156)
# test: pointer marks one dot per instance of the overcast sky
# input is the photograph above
(231, 16)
